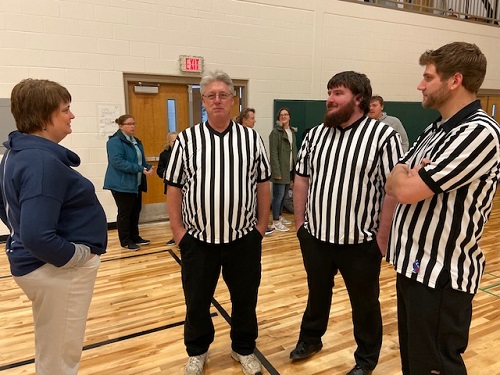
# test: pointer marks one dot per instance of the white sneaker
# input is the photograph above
(249, 363)
(279, 226)
(195, 364)
(284, 221)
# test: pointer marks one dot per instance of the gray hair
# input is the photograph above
(218, 75)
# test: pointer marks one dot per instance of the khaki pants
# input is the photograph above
(60, 303)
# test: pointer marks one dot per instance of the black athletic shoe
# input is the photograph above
(171, 242)
(358, 370)
(141, 241)
(304, 350)
(132, 247)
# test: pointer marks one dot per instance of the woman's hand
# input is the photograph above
(149, 172)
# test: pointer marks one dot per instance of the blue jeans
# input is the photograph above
(278, 199)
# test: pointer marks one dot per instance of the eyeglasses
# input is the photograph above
(221, 95)
(130, 123)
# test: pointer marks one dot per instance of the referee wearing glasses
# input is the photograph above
(218, 199)
(126, 178)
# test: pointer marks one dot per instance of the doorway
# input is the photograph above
(163, 104)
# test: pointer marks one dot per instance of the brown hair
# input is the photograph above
(33, 101)
(458, 57)
(377, 98)
(358, 83)
(121, 120)
(279, 112)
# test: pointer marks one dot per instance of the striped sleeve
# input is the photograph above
(263, 166)
(302, 165)
(391, 151)
(173, 174)
(468, 153)
(444, 230)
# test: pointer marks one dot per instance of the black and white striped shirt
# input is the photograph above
(443, 231)
(347, 170)
(218, 174)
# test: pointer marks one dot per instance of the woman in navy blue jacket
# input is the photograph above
(57, 225)
(126, 178)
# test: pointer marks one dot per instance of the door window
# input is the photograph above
(171, 116)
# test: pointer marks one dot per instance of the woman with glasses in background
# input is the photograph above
(126, 178)
(283, 155)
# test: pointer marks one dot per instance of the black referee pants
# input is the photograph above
(433, 326)
(241, 271)
(359, 266)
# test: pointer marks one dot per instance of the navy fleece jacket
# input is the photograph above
(46, 204)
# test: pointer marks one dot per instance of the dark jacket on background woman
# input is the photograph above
(123, 167)
(162, 165)
(279, 149)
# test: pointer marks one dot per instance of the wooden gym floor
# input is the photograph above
(135, 324)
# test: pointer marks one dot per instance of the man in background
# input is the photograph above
(377, 113)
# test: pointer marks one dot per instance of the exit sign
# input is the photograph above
(191, 64)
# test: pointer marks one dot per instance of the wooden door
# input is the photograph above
(484, 102)
(235, 109)
(492, 106)
(154, 120)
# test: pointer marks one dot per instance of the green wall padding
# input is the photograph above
(414, 117)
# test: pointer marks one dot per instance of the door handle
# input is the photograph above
(152, 158)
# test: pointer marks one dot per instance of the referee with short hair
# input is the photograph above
(445, 187)
(339, 187)
(218, 201)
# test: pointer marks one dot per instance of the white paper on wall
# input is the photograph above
(106, 114)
